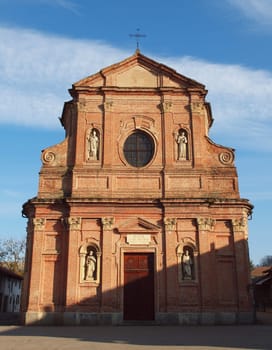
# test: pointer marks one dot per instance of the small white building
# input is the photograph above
(10, 290)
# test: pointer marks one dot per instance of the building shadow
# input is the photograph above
(223, 307)
(218, 337)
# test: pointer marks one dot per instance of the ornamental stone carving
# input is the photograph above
(48, 157)
(107, 223)
(82, 104)
(74, 223)
(108, 105)
(239, 224)
(169, 223)
(206, 224)
(166, 106)
(39, 223)
(226, 157)
(197, 107)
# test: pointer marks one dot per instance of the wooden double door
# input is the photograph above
(138, 286)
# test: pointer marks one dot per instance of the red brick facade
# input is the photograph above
(137, 195)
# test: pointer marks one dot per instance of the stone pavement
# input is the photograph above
(136, 337)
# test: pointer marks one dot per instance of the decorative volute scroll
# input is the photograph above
(206, 224)
(74, 223)
(107, 223)
(170, 223)
(39, 223)
(226, 157)
(55, 155)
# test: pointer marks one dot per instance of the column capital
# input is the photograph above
(166, 106)
(107, 223)
(197, 107)
(169, 223)
(73, 222)
(39, 223)
(206, 224)
(108, 105)
(240, 225)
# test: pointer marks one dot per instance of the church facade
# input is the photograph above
(138, 215)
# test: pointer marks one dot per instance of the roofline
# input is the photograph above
(141, 58)
(7, 272)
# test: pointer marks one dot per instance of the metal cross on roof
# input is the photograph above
(137, 35)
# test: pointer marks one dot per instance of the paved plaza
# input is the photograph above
(136, 337)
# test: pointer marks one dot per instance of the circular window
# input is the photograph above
(139, 149)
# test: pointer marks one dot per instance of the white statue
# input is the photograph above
(93, 145)
(182, 141)
(187, 264)
(90, 266)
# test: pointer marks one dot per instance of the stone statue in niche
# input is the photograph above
(182, 141)
(93, 145)
(90, 266)
(187, 265)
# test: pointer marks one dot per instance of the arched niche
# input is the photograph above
(93, 144)
(182, 144)
(90, 262)
(187, 261)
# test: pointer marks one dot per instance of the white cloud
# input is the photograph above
(66, 4)
(241, 100)
(69, 5)
(258, 10)
(37, 69)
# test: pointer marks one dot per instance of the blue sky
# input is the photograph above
(46, 45)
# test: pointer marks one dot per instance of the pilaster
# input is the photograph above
(166, 111)
(206, 251)
(73, 227)
(38, 227)
(240, 232)
(108, 128)
(106, 286)
(171, 269)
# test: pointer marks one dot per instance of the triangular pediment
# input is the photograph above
(138, 225)
(138, 71)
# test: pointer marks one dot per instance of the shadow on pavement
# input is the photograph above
(215, 337)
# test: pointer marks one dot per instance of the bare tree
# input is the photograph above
(266, 261)
(12, 254)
